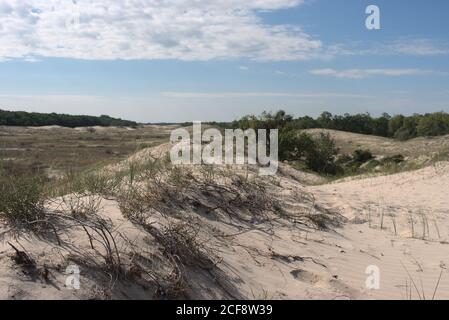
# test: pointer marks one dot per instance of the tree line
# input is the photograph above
(399, 126)
(21, 118)
(320, 153)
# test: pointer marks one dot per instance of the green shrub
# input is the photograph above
(294, 146)
(321, 157)
(372, 164)
(395, 124)
(318, 154)
(21, 200)
(288, 141)
(362, 156)
(434, 124)
(133, 204)
(343, 159)
(399, 158)
(408, 129)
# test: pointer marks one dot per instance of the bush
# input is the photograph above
(288, 141)
(317, 153)
(362, 156)
(408, 129)
(433, 125)
(294, 146)
(399, 158)
(21, 200)
(321, 156)
(343, 159)
(395, 124)
(133, 204)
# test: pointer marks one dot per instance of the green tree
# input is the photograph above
(434, 124)
(395, 124)
(321, 157)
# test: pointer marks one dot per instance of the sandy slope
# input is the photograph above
(405, 259)
(316, 246)
(380, 146)
(414, 206)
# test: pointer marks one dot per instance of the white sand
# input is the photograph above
(279, 259)
(422, 246)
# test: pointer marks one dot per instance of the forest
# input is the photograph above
(320, 154)
(399, 126)
(21, 118)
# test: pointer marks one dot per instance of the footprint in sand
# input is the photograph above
(305, 276)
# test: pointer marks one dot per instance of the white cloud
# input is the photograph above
(260, 95)
(244, 68)
(403, 47)
(417, 47)
(150, 29)
(364, 73)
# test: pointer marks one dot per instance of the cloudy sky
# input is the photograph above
(184, 60)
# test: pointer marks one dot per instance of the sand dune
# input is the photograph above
(399, 219)
(245, 236)
(380, 146)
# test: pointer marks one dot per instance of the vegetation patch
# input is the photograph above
(399, 126)
(21, 118)
(21, 200)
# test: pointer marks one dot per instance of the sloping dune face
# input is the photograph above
(380, 146)
(402, 221)
(150, 230)
(145, 229)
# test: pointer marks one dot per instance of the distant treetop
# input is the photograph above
(399, 127)
(21, 118)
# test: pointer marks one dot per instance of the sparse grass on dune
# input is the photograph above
(183, 217)
(413, 288)
(391, 156)
(168, 204)
(176, 209)
(21, 199)
(145, 222)
(347, 142)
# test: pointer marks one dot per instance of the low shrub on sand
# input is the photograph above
(21, 199)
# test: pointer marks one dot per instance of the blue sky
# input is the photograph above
(185, 60)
